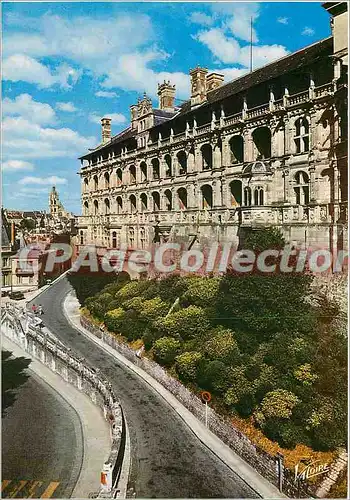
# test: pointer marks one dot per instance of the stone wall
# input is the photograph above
(268, 466)
(17, 325)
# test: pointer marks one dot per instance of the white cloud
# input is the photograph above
(132, 73)
(14, 165)
(25, 106)
(201, 18)
(236, 17)
(102, 47)
(228, 50)
(43, 180)
(105, 93)
(282, 20)
(21, 67)
(117, 118)
(66, 106)
(25, 139)
(308, 31)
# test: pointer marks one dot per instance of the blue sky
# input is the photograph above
(66, 65)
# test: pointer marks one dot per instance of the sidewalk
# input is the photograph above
(222, 451)
(96, 431)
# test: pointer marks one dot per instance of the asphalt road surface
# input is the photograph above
(42, 447)
(168, 461)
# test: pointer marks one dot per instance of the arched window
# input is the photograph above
(247, 196)
(144, 202)
(131, 237)
(259, 195)
(182, 161)
(86, 208)
(168, 199)
(302, 188)
(155, 168)
(236, 193)
(237, 149)
(143, 168)
(86, 185)
(207, 156)
(119, 205)
(168, 166)
(302, 135)
(182, 197)
(142, 238)
(95, 180)
(262, 142)
(107, 206)
(114, 239)
(119, 177)
(132, 201)
(132, 171)
(156, 201)
(82, 237)
(207, 196)
(106, 178)
(95, 207)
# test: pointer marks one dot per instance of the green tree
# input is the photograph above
(187, 365)
(263, 239)
(187, 323)
(201, 292)
(165, 350)
(279, 404)
(222, 346)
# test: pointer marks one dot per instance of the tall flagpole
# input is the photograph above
(251, 44)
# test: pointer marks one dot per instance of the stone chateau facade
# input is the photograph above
(267, 149)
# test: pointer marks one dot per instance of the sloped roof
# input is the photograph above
(275, 69)
(291, 62)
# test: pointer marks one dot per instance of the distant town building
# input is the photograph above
(267, 149)
(8, 249)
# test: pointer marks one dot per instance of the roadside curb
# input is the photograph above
(249, 475)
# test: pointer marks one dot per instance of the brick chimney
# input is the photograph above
(198, 85)
(133, 116)
(166, 93)
(106, 129)
(214, 80)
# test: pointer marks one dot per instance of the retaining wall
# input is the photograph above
(270, 467)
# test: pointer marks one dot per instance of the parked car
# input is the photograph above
(16, 295)
(4, 293)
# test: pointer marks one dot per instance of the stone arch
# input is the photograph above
(262, 141)
(207, 156)
(182, 198)
(155, 168)
(236, 193)
(143, 168)
(182, 162)
(144, 202)
(207, 196)
(236, 144)
(156, 201)
(168, 195)
(132, 202)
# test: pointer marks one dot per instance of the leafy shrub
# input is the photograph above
(279, 404)
(188, 323)
(132, 289)
(114, 319)
(222, 346)
(201, 291)
(187, 365)
(153, 309)
(166, 349)
(213, 376)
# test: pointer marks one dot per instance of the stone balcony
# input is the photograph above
(294, 100)
(253, 216)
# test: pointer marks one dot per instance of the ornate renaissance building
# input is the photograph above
(266, 149)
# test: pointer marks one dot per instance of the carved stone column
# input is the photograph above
(198, 159)
(225, 151)
(217, 161)
(248, 145)
(217, 193)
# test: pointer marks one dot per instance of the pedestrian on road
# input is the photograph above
(34, 308)
(40, 309)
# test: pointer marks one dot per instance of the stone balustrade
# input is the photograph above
(20, 327)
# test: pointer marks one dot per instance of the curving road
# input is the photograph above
(168, 461)
(42, 443)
